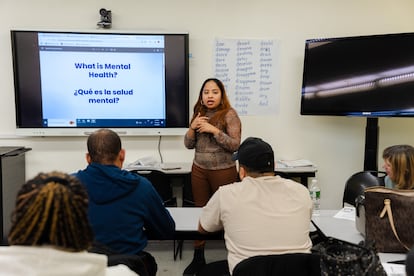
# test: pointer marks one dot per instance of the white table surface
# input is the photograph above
(185, 167)
(186, 219)
(342, 229)
(346, 230)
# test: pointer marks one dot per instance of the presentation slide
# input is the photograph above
(101, 85)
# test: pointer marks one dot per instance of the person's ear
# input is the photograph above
(242, 172)
(88, 158)
(122, 155)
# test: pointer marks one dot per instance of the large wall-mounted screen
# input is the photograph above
(70, 83)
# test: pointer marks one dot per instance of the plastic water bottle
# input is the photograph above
(315, 194)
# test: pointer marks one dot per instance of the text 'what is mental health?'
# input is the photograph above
(102, 71)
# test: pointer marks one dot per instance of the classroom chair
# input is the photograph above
(161, 183)
(298, 264)
(356, 184)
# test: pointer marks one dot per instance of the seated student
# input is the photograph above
(122, 203)
(50, 231)
(263, 214)
(399, 166)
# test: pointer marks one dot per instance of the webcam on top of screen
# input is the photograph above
(106, 18)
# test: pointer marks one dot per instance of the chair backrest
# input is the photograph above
(409, 263)
(217, 268)
(356, 184)
(298, 264)
(161, 183)
(187, 195)
(135, 262)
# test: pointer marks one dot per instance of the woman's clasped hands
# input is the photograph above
(201, 124)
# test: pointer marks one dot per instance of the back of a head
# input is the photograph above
(104, 146)
(256, 155)
(52, 209)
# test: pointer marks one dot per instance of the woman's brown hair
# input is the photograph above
(401, 158)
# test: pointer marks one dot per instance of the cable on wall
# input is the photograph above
(159, 149)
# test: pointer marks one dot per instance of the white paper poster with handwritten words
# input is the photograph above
(248, 68)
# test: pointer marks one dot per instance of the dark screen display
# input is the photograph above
(370, 76)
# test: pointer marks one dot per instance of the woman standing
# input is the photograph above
(214, 133)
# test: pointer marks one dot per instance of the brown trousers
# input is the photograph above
(205, 182)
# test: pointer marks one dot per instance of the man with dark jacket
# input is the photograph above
(123, 206)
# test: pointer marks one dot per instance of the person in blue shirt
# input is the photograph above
(399, 166)
(124, 207)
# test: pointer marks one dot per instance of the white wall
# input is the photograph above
(335, 144)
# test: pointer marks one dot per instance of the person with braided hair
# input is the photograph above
(50, 232)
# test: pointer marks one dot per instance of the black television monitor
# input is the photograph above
(368, 76)
(70, 83)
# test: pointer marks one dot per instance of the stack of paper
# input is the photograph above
(347, 212)
(147, 162)
(394, 269)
